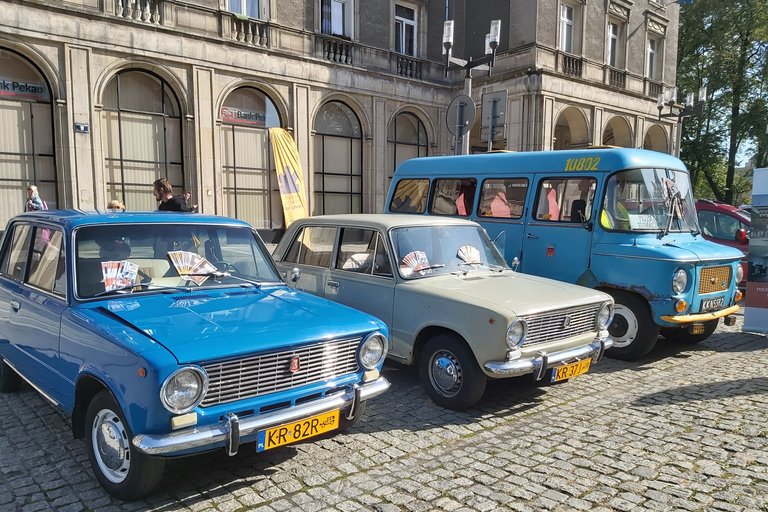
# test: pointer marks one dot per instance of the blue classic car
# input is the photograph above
(167, 334)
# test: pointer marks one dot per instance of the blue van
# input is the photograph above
(619, 220)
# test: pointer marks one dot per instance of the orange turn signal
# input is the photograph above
(739, 295)
(680, 306)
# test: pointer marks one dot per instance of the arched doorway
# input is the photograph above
(141, 121)
(250, 188)
(26, 138)
(617, 133)
(571, 130)
(656, 139)
(407, 138)
(338, 160)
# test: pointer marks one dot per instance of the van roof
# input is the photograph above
(608, 160)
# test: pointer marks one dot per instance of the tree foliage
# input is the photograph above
(723, 45)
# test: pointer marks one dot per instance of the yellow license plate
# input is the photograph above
(570, 370)
(297, 431)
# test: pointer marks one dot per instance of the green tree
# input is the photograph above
(723, 46)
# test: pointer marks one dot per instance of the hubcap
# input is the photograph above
(445, 373)
(624, 327)
(111, 446)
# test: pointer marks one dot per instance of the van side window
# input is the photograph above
(313, 246)
(410, 196)
(454, 196)
(565, 200)
(503, 198)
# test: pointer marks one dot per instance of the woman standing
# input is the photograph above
(34, 203)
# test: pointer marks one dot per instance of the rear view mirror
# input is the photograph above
(741, 235)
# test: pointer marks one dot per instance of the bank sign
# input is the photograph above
(234, 115)
(28, 90)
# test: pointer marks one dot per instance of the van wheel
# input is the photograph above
(681, 334)
(9, 379)
(450, 373)
(633, 330)
(120, 468)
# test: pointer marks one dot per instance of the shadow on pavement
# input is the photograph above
(709, 391)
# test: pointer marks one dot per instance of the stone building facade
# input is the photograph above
(98, 98)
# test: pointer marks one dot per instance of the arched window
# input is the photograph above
(142, 138)
(250, 187)
(26, 136)
(407, 137)
(338, 160)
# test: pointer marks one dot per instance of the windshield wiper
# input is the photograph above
(675, 207)
(219, 274)
(123, 290)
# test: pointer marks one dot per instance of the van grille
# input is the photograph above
(552, 326)
(259, 375)
(714, 279)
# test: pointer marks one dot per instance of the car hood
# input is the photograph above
(519, 294)
(682, 247)
(208, 326)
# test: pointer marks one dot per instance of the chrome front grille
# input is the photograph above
(557, 325)
(714, 279)
(270, 373)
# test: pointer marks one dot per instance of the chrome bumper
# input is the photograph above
(232, 429)
(539, 364)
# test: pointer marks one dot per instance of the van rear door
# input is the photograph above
(558, 235)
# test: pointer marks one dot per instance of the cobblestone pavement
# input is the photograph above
(683, 429)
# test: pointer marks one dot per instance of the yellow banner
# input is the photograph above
(289, 175)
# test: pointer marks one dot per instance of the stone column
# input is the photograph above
(208, 168)
(88, 183)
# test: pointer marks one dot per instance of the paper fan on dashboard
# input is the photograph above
(469, 254)
(417, 260)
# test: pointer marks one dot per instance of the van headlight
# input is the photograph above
(516, 333)
(605, 316)
(739, 273)
(372, 350)
(680, 281)
(183, 390)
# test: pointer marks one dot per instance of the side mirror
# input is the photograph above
(515, 263)
(295, 275)
(741, 236)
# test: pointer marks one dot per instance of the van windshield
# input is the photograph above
(649, 200)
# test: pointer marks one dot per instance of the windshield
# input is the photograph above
(431, 250)
(643, 200)
(130, 258)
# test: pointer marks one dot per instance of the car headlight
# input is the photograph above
(680, 281)
(605, 316)
(739, 273)
(373, 350)
(516, 333)
(183, 390)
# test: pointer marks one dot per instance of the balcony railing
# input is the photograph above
(249, 31)
(146, 11)
(338, 50)
(572, 65)
(409, 67)
(654, 89)
(617, 78)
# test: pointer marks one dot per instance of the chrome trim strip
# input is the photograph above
(691, 260)
(45, 395)
(222, 433)
(534, 364)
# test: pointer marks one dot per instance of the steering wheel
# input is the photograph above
(225, 266)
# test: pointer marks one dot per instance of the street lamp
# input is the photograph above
(690, 108)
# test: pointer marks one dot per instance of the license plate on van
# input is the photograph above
(710, 304)
(570, 370)
(297, 431)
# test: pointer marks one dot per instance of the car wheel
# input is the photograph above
(9, 379)
(450, 373)
(122, 471)
(344, 423)
(682, 335)
(633, 330)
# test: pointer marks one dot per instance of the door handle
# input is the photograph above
(16, 305)
(333, 284)
(531, 236)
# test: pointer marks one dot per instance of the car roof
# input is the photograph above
(385, 221)
(71, 219)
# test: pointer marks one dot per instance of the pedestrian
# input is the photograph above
(186, 195)
(34, 203)
(163, 192)
(116, 205)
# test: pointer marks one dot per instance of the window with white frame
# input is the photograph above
(405, 30)
(615, 43)
(337, 17)
(248, 8)
(653, 58)
(567, 16)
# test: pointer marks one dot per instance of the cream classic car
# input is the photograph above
(451, 303)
